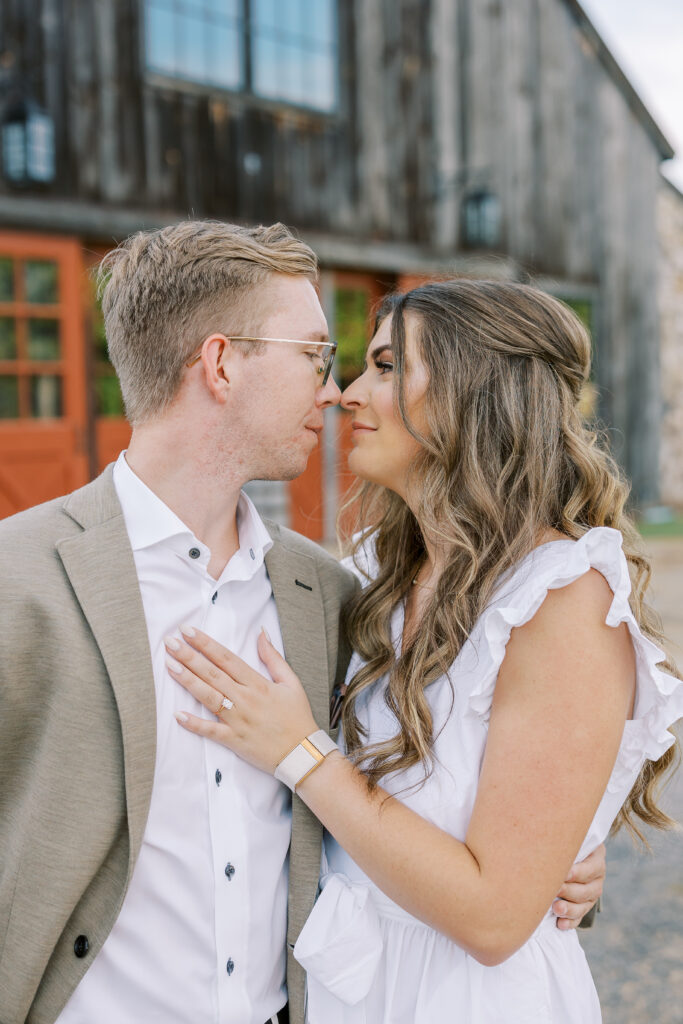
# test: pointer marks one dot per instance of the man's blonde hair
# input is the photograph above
(164, 291)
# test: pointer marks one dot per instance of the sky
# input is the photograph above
(646, 38)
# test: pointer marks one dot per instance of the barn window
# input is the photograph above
(197, 40)
(294, 51)
(31, 357)
(284, 50)
(481, 220)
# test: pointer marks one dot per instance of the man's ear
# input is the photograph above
(216, 352)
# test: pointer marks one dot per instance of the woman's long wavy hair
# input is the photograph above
(506, 456)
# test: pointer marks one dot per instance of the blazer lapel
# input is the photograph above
(100, 565)
(296, 589)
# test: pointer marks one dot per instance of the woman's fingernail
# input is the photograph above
(187, 630)
(182, 717)
(266, 634)
(172, 642)
(173, 664)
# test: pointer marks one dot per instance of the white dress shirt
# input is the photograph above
(201, 937)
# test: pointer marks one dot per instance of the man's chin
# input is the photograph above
(289, 471)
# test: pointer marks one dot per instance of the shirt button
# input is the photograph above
(229, 871)
(230, 966)
(194, 552)
(219, 776)
(81, 946)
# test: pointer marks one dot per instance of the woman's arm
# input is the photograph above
(563, 693)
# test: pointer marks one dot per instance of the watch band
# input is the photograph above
(304, 759)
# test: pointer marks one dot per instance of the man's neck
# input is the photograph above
(190, 488)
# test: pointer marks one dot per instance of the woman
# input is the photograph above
(505, 703)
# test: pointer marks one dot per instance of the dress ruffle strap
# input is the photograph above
(659, 696)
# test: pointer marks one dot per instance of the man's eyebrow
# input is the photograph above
(316, 338)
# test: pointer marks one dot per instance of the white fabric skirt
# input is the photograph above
(370, 962)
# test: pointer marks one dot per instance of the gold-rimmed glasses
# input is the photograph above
(325, 352)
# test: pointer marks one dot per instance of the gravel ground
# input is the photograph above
(636, 947)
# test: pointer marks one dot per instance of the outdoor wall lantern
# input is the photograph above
(481, 220)
(28, 143)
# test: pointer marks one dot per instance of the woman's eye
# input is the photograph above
(384, 367)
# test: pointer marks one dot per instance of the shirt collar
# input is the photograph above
(150, 521)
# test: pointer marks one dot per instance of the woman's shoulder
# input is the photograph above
(591, 580)
(560, 561)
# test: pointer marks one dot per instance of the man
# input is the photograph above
(145, 873)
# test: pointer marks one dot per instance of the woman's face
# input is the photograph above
(383, 449)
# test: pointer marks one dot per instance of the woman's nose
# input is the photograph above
(353, 396)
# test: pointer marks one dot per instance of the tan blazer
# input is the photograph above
(77, 734)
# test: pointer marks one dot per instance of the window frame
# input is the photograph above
(22, 310)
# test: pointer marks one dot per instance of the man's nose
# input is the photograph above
(329, 395)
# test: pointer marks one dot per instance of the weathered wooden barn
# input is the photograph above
(670, 220)
(401, 138)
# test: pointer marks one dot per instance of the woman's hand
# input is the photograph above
(261, 721)
(581, 890)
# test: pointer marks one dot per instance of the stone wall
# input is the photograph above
(670, 224)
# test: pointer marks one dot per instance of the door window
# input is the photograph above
(31, 358)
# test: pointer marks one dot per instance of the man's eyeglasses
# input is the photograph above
(325, 352)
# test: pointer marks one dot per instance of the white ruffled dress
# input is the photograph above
(370, 962)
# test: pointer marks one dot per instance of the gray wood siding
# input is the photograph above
(437, 97)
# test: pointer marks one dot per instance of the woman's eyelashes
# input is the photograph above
(383, 365)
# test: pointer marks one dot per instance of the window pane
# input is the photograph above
(351, 312)
(43, 339)
(108, 398)
(294, 51)
(227, 8)
(46, 397)
(14, 151)
(293, 18)
(159, 38)
(107, 393)
(40, 281)
(199, 40)
(264, 14)
(191, 54)
(225, 58)
(278, 72)
(40, 147)
(8, 341)
(583, 309)
(266, 76)
(321, 83)
(321, 23)
(9, 398)
(6, 279)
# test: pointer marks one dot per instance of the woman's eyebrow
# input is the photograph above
(378, 349)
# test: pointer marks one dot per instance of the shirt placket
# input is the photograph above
(227, 829)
